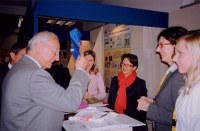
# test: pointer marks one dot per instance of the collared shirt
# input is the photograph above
(9, 65)
(172, 68)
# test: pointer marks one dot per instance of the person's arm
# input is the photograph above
(112, 92)
(142, 91)
(45, 92)
(163, 115)
(159, 114)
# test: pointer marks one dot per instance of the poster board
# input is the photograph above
(117, 41)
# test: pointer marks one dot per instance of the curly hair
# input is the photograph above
(131, 57)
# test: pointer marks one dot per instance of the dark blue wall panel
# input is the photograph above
(90, 11)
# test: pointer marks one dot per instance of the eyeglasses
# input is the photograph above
(56, 51)
(161, 45)
(126, 65)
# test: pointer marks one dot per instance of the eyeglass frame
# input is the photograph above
(161, 45)
(56, 51)
(126, 65)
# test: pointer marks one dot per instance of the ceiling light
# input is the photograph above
(70, 23)
(60, 22)
(51, 21)
(20, 21)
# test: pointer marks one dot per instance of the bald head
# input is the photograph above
(43, 37)
(44, 47)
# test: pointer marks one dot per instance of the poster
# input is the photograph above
(118, 37)
(117, 42)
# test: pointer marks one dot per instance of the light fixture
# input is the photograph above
(70, 23)
(51, 22)
(60, 22)
(20, 21)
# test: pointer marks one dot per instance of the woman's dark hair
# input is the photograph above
(132, 58)
(172, 34)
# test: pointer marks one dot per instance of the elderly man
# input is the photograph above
(32, 101)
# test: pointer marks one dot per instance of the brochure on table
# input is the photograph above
(99, 119)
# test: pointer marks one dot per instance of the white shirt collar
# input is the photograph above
(172, 68)
(9, 65)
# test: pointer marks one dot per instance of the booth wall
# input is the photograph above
(143, 45)
(144, 42)
(98, 41)
(187, 17)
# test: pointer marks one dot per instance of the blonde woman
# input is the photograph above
(96, 87)
(187, 58)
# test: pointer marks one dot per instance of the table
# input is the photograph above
(109, 122)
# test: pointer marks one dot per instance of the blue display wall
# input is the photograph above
(90, 11)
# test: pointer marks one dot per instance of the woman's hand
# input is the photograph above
(87, 95)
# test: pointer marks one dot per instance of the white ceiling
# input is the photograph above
(154, 5)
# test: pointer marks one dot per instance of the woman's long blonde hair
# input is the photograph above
(192, 40)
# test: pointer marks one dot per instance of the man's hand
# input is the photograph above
(81, 62)
(150, 100)
(143, 103)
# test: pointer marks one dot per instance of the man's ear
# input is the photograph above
(38, 47)
(12, 55)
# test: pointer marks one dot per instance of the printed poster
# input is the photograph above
(117, 42)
